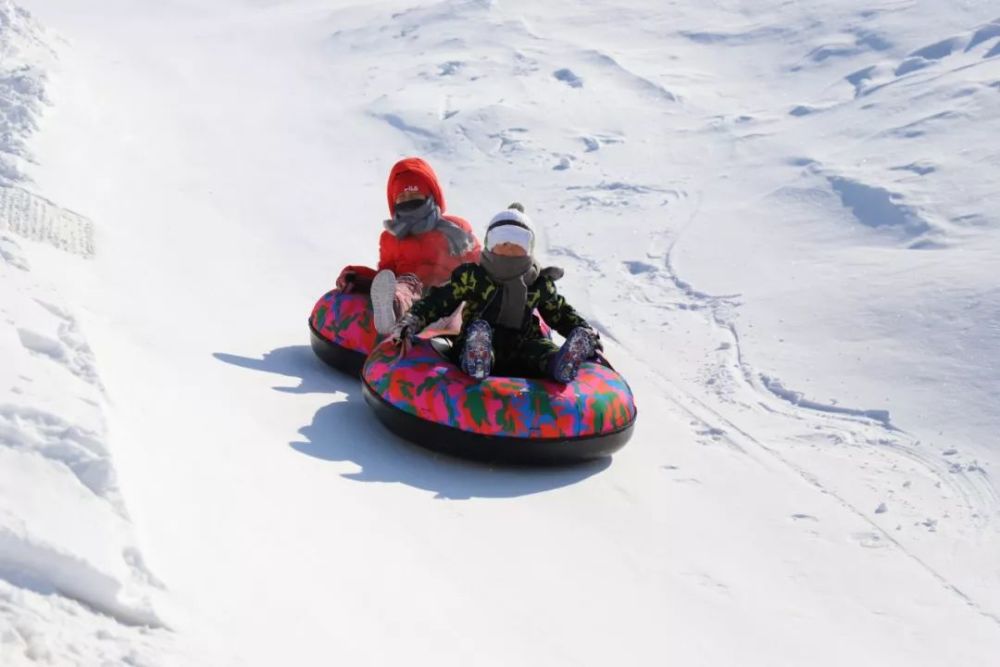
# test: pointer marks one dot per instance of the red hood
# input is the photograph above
(413, 171)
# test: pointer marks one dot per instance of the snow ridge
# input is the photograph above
(22, 88)
(63, 525)
(23, 97)
(67, 546)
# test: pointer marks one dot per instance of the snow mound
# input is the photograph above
(63, 525)
(38, 629)
(67, 548)
(876, 207)
(23, 97)
(22, 88)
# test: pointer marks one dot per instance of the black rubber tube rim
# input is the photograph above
(344, 360)
(494, 448)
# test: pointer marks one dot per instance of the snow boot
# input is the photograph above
(579, 347)
(477, 355)
(383, 293)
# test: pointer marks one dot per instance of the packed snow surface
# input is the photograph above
(783, 218)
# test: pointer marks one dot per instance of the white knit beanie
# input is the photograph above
(511, 217)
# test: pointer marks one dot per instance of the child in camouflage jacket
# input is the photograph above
(501, 292)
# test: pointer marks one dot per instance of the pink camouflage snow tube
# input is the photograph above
(343, 330)
(425, 398)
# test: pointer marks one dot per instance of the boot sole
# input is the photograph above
(383, 293)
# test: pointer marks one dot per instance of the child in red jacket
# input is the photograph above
(419, 247)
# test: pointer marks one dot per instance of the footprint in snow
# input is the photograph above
(870, 540)
(41, 344)
(449, 68)
(568, 77)
(565, 161)
(637, 268)
(10, 252)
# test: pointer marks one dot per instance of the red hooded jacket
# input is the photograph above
(425, 255)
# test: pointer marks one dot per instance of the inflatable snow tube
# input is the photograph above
(342, 330)
(423, 397)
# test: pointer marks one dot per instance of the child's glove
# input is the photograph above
(345, 281)
(405, 329)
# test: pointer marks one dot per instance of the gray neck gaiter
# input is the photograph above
(514, 274)
(427, 218)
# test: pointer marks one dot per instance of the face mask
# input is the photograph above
(414, 208)
(505, 268)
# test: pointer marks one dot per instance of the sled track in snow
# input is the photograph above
(698, 412)
(809, 436)
(872, 427)
(878, 437)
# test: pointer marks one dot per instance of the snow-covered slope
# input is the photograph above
(73, 586)
(782, 217)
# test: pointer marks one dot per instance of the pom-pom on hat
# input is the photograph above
(511, 225)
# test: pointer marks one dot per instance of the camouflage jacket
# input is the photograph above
(470, 283)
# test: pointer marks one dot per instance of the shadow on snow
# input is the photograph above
(346, 430)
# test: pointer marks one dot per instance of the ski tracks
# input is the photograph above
(909, 494)
(912, 495)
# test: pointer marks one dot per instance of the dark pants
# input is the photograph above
(515, 355)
